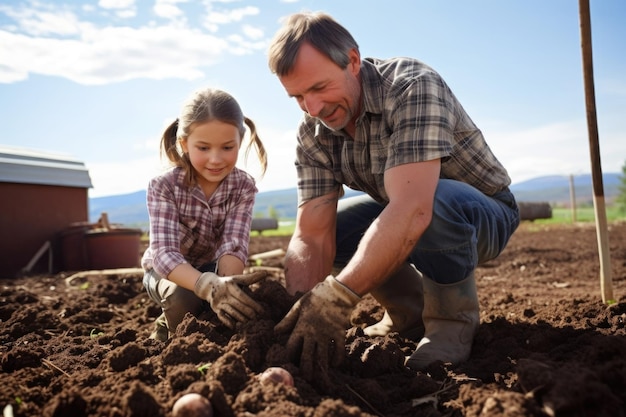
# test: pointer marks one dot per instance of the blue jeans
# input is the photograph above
(468, 228)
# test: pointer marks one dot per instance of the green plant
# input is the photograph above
(94, 333)
(203, 368)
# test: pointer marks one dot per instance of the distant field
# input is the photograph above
(582, 214)
(559, 215)
(285, 228)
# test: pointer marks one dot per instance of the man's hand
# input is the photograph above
(231, 304)
(318, 323)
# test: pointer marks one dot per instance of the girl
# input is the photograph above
(200, 215)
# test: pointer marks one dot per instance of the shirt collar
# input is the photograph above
(371, 89)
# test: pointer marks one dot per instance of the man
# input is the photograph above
(436, 200)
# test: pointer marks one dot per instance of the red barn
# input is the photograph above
(41, 195)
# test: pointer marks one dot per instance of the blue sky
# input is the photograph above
(99, 80)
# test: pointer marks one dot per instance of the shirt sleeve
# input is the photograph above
(236, 235)
(164, 226)
(430, 123)
(314, 163)
(424, 119)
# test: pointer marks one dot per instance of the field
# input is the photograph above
(547, 345)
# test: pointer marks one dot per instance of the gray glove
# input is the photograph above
(318, 323)
(231, 304)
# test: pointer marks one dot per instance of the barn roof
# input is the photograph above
(25, 166)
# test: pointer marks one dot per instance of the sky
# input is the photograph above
(98, 81)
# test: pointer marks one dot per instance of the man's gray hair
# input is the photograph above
(316, 28)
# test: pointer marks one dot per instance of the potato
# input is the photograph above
(276, 374)
(192, 405)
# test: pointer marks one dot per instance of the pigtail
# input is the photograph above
(169, 147)
(256, 141)
(169, 142)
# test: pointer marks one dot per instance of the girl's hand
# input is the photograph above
(227, 298)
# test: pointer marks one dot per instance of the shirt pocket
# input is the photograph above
(186, 234)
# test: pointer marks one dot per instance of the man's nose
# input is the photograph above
(313, 105)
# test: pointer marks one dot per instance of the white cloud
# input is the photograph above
(116, 4)
(124, 9)
(231, 16)
(168, 9)
(56, 42)
(126, 176)
(216, 18)
(122, 177)
(11, 74)
(280, 146)
(46, 21)
(242, 46)
(127, 13)
(115, 54)
(554, 149)
(252, 32)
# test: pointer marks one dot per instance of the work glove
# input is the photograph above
(318, 323)
(226, 297)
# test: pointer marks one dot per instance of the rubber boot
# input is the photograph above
(451, 318)
(402, 297)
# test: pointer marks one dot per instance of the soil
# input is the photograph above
(547, 345)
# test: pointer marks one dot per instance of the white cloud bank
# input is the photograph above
(123, 177)
(558, 149)
(54, 41)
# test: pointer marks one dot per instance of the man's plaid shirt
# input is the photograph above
(409, 114)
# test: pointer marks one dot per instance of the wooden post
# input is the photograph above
(104, 221)
(606, 285)
(572, 197)
(45, 247)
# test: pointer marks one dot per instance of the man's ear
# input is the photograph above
(355, 61)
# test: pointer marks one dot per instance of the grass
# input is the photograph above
(285, 228)
(582, 215)
(203, 368)
(560, 215)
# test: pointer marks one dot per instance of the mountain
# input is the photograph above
(555, 189)
(130, 209)
(127, 209)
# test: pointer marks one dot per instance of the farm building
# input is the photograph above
(42, 195)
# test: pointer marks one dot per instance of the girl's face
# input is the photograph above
(213, 148)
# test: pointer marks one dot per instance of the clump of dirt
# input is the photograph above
(546, 346)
